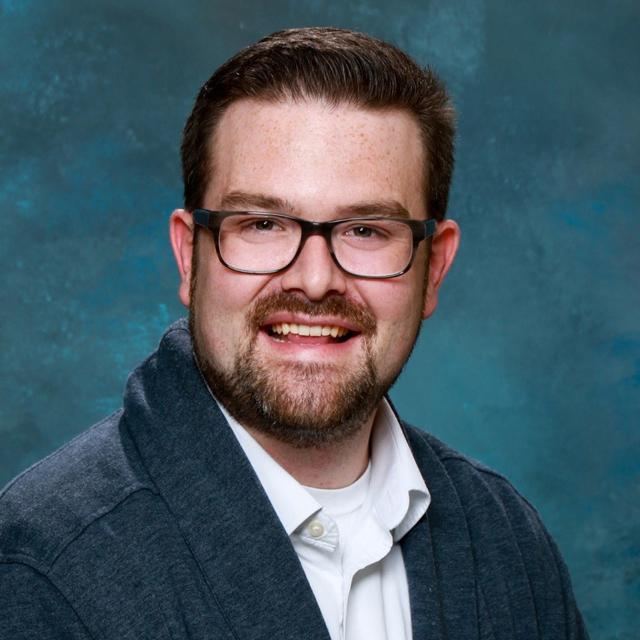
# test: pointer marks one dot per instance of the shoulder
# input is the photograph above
(50, 504)
(475, 503)
(483, 493)
(517, 566)
(449, 457)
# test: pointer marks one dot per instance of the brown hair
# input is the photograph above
(331, 64)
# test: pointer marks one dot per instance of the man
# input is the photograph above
(257, 483)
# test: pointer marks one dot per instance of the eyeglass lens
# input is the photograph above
(266, 243)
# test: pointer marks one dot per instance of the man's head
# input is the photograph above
(310, 124)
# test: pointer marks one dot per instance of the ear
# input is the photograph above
(181, 234)
(444, 246)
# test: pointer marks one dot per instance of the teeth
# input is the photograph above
(285, 328)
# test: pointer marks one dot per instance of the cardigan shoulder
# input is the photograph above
(50, 504)
(465, 472)
(493, 508)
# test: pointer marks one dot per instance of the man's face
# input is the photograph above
(317, 162)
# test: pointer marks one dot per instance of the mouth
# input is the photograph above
(330, 327)
(309, 333)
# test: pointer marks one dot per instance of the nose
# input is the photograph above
(314, 273)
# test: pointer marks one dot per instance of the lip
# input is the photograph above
(297, 318)
(317, 350)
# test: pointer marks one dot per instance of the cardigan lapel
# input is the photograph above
(439, 558)
(210, 487)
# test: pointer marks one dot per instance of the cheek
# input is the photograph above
(223, 299)
(397, 305)
(218, 321)
(396, 301)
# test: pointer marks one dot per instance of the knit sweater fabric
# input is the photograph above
(152, 524)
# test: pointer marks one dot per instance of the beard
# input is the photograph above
(302, 404)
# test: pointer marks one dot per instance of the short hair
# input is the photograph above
(334, 65)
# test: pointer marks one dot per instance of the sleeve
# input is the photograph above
(548, 576)
(524, 581)
(31, 607)
(576, 629)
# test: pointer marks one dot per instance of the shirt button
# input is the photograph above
(316, 529)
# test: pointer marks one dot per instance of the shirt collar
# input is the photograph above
(399, 495)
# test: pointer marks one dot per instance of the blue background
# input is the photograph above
(532, 361)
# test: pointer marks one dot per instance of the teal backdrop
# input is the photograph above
(532, 361)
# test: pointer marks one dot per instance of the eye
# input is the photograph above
(370, 231)
(264, 225)
(261, 225)
(362, 231)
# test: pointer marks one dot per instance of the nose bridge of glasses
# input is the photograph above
(310, 228)
(314, 268)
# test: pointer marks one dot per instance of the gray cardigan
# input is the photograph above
(152, 524)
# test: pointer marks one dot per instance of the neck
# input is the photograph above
(331, 466)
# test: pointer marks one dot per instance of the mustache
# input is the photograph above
(334, 305)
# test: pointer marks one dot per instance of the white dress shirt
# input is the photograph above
(347, 539)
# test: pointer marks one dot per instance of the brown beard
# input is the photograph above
(324, 405)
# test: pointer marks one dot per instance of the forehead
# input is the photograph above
(318, 156)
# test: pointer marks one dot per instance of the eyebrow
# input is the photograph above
(245, 200)
(388, 208)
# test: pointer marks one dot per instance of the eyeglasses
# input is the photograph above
(260, 242)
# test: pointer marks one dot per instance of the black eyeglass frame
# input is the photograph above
(212, 220)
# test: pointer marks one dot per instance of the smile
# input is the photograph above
(285, 328)
(308, 333)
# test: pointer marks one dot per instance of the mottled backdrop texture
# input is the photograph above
(532, 361)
